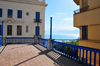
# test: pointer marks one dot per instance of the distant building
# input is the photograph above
(87, 18)
(21, 17)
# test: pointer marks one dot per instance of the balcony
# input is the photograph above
(76, 1)
(37, 21)
(89, 17)
(81, 10)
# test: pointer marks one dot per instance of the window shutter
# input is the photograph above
(9, 12)
(0, 29)
(37, 30)
(0, 12)
(37, 16)
(19, 14)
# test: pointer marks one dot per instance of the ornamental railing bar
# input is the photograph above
(43, 42)
(38, 21)
(19, 40)
(81, 10)
(72, 52)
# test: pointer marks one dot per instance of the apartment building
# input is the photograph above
(87, 19)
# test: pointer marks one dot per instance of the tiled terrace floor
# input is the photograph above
(33, 55)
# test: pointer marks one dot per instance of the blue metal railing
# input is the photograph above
(72, 52)
(43, 42)
(19, 40)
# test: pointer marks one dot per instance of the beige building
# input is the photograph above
(21, 17)
(87, 18)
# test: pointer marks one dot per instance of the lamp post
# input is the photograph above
(50, 27)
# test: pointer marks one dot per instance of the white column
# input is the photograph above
(50, 44)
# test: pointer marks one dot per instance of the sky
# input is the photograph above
(62, 23)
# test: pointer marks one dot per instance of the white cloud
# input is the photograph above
(76, 35)
(58, 14)
(67, 19)
(54, 16)
(61, 13)
(65, 28)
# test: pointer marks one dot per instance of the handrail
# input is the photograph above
(81, 10)
(17, 40)
(72, 52)
(43, 39)
(43, 42)
(40, 20)
(76, 45)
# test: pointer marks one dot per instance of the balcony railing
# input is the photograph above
(38, 21)
(81, 10)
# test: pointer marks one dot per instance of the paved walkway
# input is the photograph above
(33, 55)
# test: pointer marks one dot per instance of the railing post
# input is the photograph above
(36, 40)
(3, 41)
(50, 44)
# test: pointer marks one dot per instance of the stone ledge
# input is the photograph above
(27, 2)
(1, 48)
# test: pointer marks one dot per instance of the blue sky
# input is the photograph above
(62, 13)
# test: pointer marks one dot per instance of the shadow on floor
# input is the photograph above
(59, 60)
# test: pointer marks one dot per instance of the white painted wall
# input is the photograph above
(25, 21)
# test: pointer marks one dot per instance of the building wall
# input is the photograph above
(87, 18)
(25, 21)
(93, 3)
(94, 32)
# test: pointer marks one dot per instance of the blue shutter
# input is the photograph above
(0, 29)
(19, 14)
(9, 12)
(0, 12)
(37, 16)
(37, 30)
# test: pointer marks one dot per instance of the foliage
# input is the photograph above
(71, 42)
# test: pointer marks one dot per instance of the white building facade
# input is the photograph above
(20, 18)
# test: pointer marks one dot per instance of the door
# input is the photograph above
(37, 30)
(37, 16)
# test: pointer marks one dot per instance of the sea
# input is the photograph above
(62, 37)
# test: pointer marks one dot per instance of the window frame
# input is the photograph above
(19, 33)
(84, 32)
(8, 29)
(1, 12)
(27, 28)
